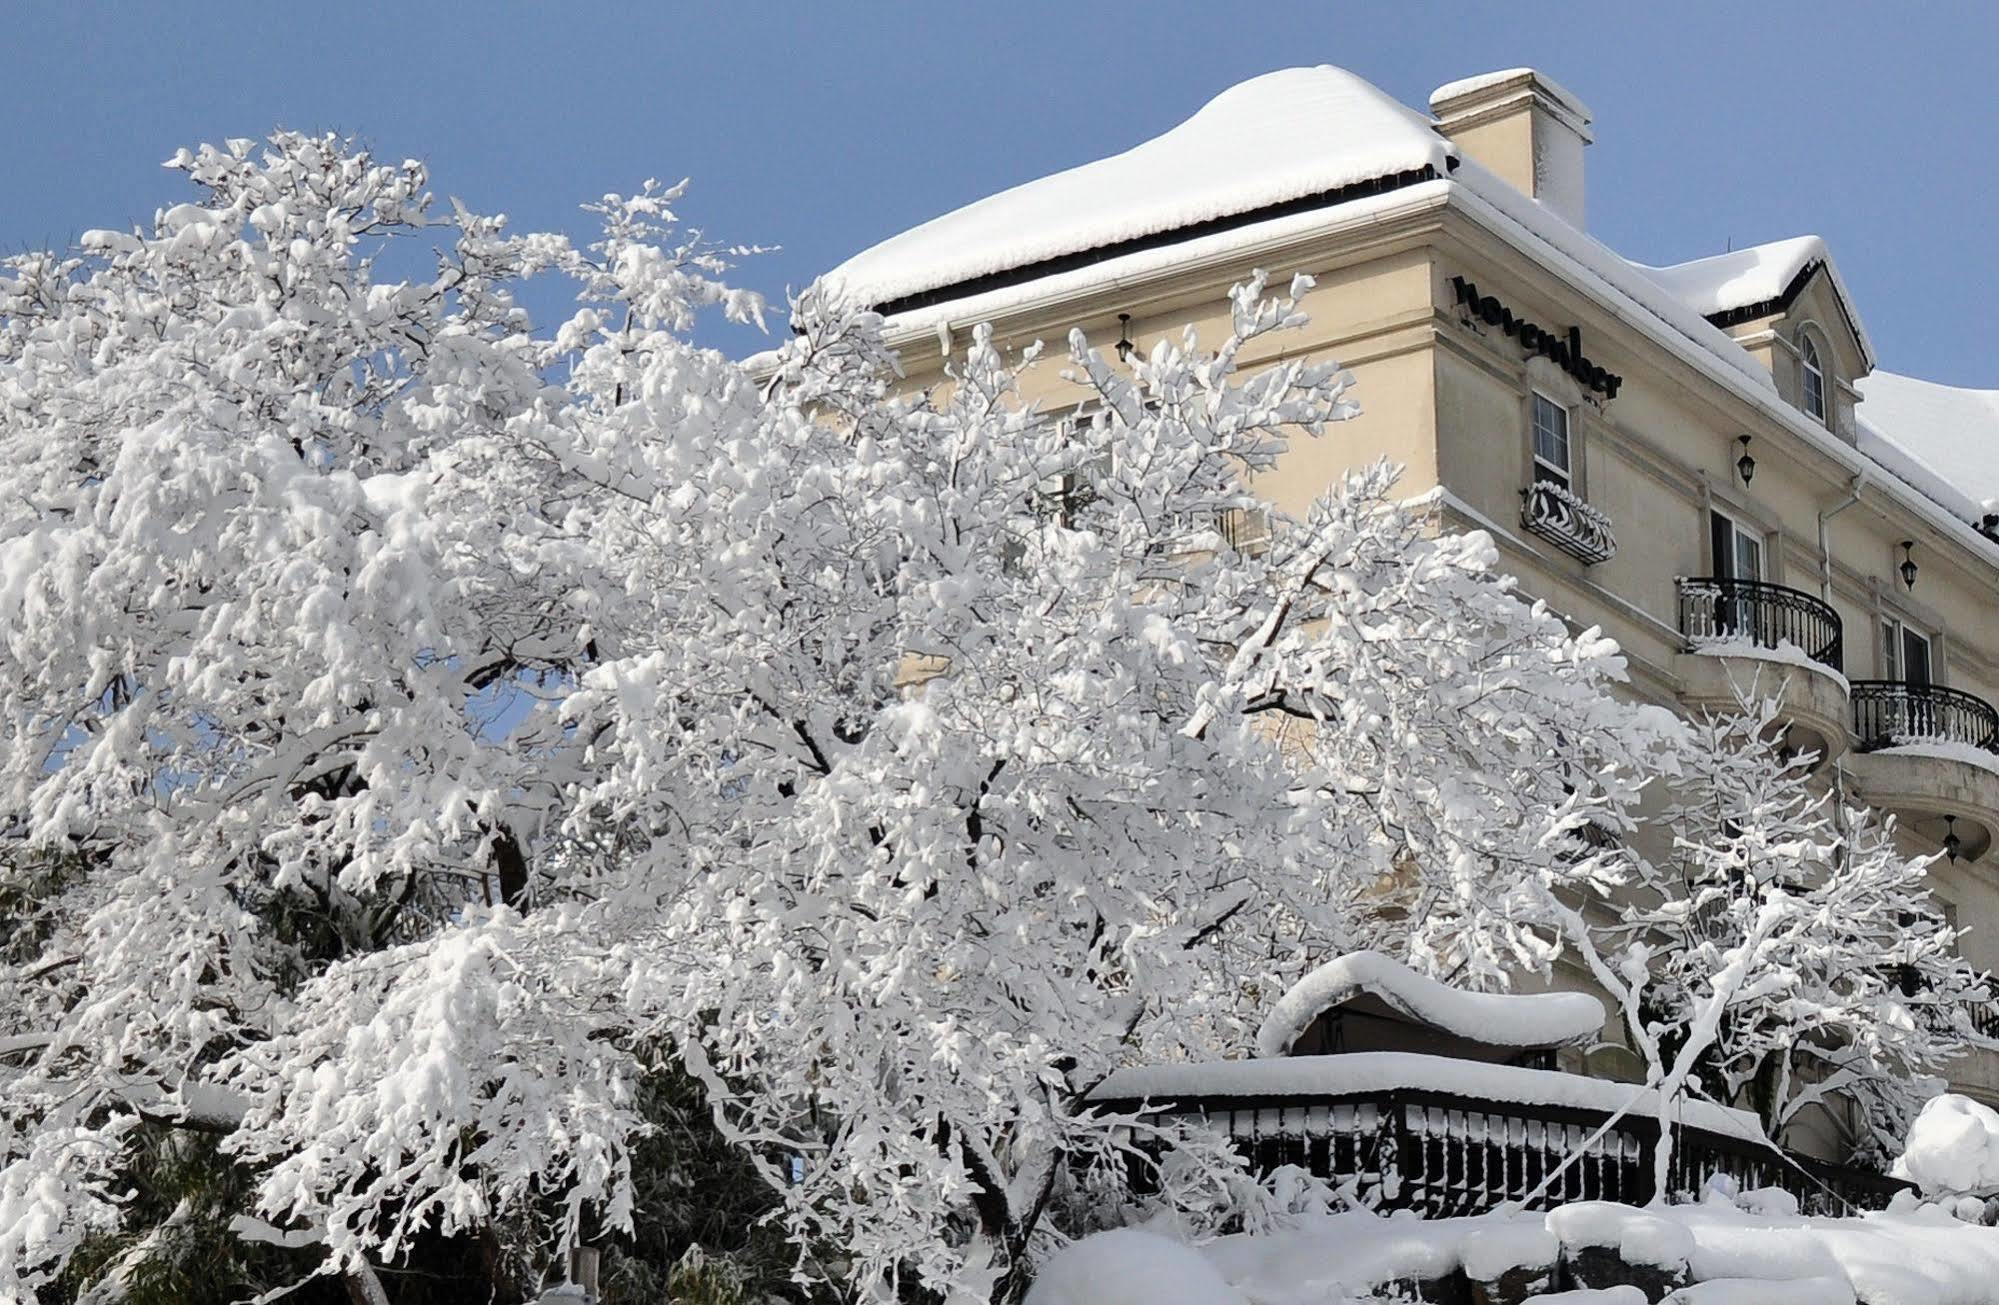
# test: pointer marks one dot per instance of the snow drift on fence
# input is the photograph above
(1542, 1019)
(1361, 1073)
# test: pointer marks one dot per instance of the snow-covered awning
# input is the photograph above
(1526, 1020)
(1284, 136)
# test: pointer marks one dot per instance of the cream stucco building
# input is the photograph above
(1700, 459)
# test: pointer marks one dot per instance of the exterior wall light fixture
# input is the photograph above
(1908, 567)
(1951, 842)
(1124, 344)
(1745, 466)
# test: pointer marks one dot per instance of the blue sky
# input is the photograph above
(824, 128)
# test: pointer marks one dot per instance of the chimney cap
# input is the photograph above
(1470, 97)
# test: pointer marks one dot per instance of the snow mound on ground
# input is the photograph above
(1917, 1254)
(1129, 1267)
(1637, 1237)
(1541, 1019)
(1491, 1252)
(1953, 1147)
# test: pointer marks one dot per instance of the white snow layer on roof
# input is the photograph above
(1358, 1073)
(1469, 85)
(1619, 276)
(1755, 275)
(1943, 438)
(1282, 136)
(1541, 1019)
(1740, 277)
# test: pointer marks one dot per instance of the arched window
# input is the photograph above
(1814, 379)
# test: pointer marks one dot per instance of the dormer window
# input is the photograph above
(1813, 390)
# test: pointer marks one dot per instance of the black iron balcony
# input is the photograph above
(1559, 516)
(1445, 1154)
(1889, 713)
(1716, 611)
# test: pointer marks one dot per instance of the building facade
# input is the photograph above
(1702, 460)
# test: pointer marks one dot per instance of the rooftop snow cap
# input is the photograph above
(1525, 127)
(1283, 138)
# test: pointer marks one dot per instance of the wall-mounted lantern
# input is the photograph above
(1745, 466)
(1124, 344)
(1908, 567)
(1951, 842)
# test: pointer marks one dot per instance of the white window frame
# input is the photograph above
(1564, 473)
(1811, 378)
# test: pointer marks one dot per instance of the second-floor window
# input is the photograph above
(1551, 443)
(1905, 653)
(1814, 378)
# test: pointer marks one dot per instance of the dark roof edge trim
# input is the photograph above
(1728, 317)
(1014, 276)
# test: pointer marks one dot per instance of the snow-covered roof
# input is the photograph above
(1942, 438)
(1283, 136)
(1540, 1019)
(1299, 133)
(1759, 274)
(1360, 1073)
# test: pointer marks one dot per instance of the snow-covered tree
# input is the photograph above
(283, 550)
(419, 734)
(1771, 946)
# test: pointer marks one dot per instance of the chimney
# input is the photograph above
(1523, 126)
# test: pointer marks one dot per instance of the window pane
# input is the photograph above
(1814, 381)
(1915, 657)
(1891, 651)
(1748, 557)
(1551, 439)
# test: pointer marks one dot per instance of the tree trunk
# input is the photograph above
(363, 1287)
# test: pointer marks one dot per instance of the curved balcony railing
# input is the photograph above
(1714, 610)
(1887, 713)
(1561, 517)
(1448, 1155)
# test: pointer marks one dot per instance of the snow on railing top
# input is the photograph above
(1544, 1019)
(1367, 1073)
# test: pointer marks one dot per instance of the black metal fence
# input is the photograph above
(1445, 1155)
(1714, 610)
(1887, 712)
